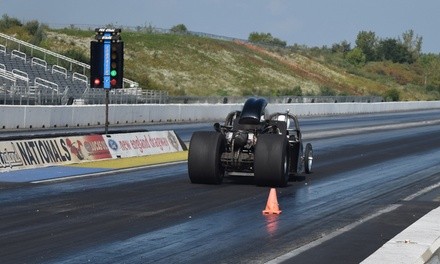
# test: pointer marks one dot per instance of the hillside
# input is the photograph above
(198, 66)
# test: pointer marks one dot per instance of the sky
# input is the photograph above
(306, 22)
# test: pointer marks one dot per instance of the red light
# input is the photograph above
(113, 82)
(97, 82)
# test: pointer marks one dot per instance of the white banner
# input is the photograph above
(51, 151)
(42, 152)
(142, 143)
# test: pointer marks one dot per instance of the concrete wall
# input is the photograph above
(12, 117)
(435, 259)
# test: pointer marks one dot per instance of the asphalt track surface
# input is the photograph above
(367, 169)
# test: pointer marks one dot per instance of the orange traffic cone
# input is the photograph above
(272, 203)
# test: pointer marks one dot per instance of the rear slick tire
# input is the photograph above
(271, 162)
(205, 150)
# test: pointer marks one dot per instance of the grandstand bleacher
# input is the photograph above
(32, 80)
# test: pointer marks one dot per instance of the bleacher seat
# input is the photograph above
(36, 71)
(37, 82)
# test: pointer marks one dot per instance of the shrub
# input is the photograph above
(356, 57)
(32, 27)
(179, 29)
(38, 36)
(392, 95)
(77, 55)
(327, 91)
(297, 91)
(265, 38)
(8, 22)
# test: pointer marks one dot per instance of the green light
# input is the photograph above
(113, 73)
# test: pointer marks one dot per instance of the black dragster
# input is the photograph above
(248, 144)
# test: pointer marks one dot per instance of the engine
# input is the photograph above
(239, 152)
(241, 135)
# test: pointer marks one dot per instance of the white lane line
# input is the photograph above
(349, 227)
(421, 192)
(334, 234)
(107, 172)
(349, 131)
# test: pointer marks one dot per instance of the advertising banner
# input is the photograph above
(52, 151)
(87, 148)
(142, 143)
(35, 152)
(41, 152)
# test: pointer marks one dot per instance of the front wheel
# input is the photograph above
(308, 158)
(271, 162)
(205, 150)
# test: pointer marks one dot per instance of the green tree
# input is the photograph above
(265, 38)
(341, 47)
(391, 49)
(278, 42)
(412, 43)
(367, 42)
(431, 69)
(256, 37)
(179, 29)
(356, 57)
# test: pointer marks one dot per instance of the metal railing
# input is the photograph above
(46, 92)
(59, 70)
(275, 100)
(29, 95)
(58, 58)
(124, 96)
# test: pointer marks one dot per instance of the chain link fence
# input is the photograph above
(275, 100)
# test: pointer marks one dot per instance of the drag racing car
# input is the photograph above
(249, 144)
